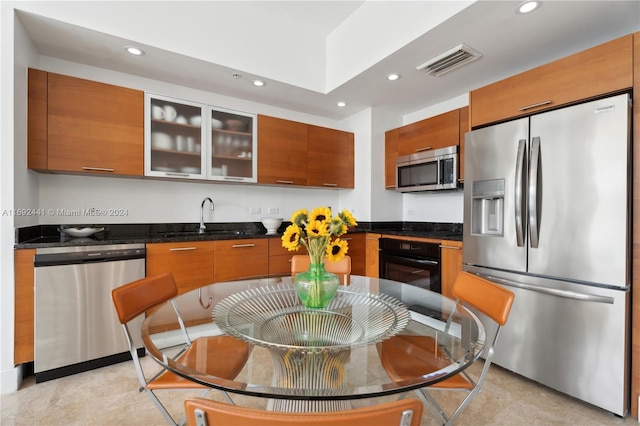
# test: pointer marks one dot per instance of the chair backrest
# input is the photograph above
(342, 268)
(201, 412)
(131, 300)
(487, 297)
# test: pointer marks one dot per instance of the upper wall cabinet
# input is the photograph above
(432, 133)
(602, 69)
(82, 126)
(293, 153)
(282, 151)
(331, 158)
(435, 132)
(174, 135)
(189, 140)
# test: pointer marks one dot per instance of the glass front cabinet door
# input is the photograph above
(233, 146)
(174, 138)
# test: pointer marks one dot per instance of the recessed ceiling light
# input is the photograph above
(341, 104)
(259, 83)
(528, 6)
(393, 76)
(134, 50)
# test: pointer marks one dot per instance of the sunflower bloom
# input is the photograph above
(322, 214)
(291, 237)
(300, 217)
(348, 218)
(317, 228)
(337, 249)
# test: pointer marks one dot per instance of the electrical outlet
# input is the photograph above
(411, 212)
(273, 210)
(255, 210)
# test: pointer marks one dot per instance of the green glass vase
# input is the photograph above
(316, 287)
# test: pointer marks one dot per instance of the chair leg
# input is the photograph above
(433, 406)
(161, 408)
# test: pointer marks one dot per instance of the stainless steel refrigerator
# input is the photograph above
(546, 214)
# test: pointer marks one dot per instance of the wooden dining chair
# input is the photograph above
(205, 412)
(342, 268)
(226, 355)
(405, 356)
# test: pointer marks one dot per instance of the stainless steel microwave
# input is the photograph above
(432, 170)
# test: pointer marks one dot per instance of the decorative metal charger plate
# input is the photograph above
(274, 317)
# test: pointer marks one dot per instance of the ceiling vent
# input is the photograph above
(450, 60)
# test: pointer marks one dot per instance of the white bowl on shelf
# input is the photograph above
(216, 124)
(161, 140)
(272, 224)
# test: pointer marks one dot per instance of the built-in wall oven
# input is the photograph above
(412, 262)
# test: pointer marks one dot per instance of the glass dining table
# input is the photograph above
(304, 359)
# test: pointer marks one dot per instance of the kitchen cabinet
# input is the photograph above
(23, 349)
(441, 131)
(331, 158)
(174, 136)
(243, 258)
(82, 126)
(191, 262)
(357, 252)
(435, 132)
(593, 72)
(293, 153)
(451, 261)
(195, 141)
(233, 144)
(463, 129)
(372, 255)
(282, 151)
(391, 139)
(280, 257)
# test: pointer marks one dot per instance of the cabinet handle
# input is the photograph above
(242, 245)
(390, 186)
(97, 169)
(426, 148)
(288, 182)
(329, 184)
(534, 105)
(176, 174)
(450, 247)
(182, 248)
(233, 178)
(346, 239)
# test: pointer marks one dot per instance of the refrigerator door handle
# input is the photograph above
(534, 232)
(519, 219)
(552, 291)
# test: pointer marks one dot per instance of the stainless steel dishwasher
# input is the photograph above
(76, 326)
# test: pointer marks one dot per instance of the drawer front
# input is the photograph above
(237, 259)
(191, 263)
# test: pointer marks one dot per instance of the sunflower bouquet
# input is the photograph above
(319, 232)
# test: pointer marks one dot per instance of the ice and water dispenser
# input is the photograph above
(487, 207)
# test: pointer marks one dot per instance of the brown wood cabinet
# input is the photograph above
(391, 139)
(242, 258)
(602, 69)
(83, 126)
(282, 151)
(293, 153)
(191, 262)
(451, 254)
(440, 131)
(432, 133)
(23, 350)
(331, 158)
(280, 257)
(356, 251)
(372, 257)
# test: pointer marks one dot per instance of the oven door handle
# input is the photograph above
(386, 255)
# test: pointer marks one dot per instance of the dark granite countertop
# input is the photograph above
(39, 236)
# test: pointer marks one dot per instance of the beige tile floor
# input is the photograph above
(109, 396)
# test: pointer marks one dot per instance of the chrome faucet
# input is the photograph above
(202, 227)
